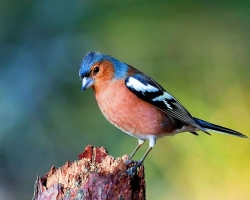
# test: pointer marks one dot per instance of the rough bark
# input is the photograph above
(95, 175)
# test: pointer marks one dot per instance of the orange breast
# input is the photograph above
(131, 114)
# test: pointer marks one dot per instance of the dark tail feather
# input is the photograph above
(217, 128)
(193, 132)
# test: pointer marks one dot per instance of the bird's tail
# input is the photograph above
(217, 128)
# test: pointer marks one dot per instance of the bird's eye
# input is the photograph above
(96, 69)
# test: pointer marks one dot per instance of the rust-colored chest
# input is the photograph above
(129, 113)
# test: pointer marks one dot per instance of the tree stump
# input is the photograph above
(95, 175)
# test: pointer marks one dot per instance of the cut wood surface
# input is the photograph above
(95, 175)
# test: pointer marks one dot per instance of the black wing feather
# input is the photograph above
(170, 105)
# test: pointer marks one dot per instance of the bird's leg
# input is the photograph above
(145, 155)
(141, 142)
(139, 163)
(132, 170)
(152, 141)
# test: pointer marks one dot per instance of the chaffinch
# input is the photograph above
(136, 104)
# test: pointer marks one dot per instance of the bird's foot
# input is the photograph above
(132, 166)
(129, 161)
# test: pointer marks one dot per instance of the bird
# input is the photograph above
(136, 104)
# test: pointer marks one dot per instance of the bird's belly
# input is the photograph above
(133, 115)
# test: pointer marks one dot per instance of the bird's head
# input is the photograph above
(98, 68)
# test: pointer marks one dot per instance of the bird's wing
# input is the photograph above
(150, 91)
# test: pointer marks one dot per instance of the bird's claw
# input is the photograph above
(138, 163)
(129, 162)
(132, 166)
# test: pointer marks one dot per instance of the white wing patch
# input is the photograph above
(163, 97)
(140, 87)
(167, 104)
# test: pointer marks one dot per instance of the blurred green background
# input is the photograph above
(200, 52)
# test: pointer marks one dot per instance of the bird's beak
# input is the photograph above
(86, 83)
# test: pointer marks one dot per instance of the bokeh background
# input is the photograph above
(200, 52)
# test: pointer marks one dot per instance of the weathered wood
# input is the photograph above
(95, 175)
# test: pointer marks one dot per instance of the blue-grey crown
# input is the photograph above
(92, 57)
